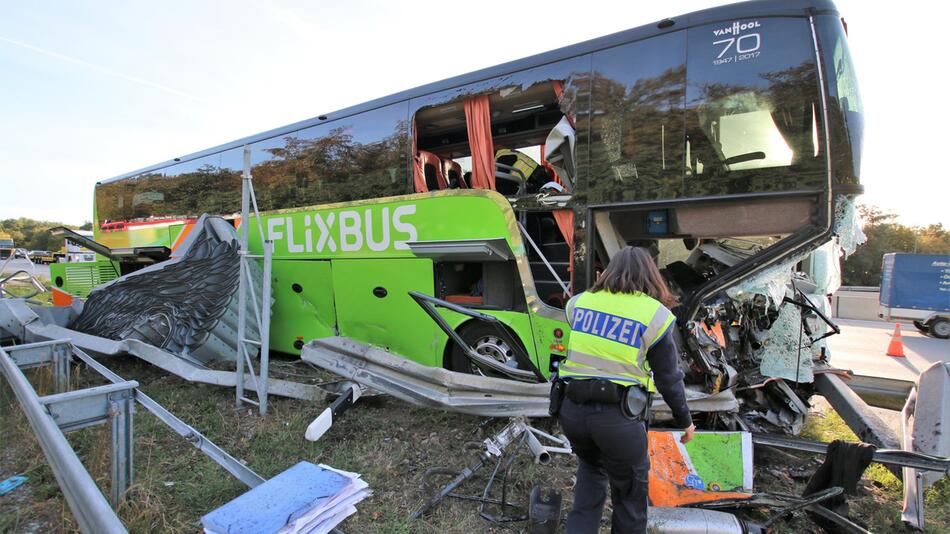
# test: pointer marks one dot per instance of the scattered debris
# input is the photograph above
(843, 466)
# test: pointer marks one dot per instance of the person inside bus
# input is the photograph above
(618, 354)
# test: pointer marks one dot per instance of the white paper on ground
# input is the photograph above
(339, 506)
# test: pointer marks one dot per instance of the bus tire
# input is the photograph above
(940, 328)
(488, 342)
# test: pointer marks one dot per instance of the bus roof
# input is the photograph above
(757, 8)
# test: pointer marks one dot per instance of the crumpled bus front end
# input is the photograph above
(750, 235)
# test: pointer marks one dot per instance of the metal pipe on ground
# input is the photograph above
(696, 521)
(538, 451)
(87, 503)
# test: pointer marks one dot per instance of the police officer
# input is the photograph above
(619, 352)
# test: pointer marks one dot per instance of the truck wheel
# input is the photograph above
(940, 328)
(488, 342)
(922, 327)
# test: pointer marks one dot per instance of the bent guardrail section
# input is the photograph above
(87, 503)
(52, 415)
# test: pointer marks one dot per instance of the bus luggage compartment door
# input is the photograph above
(303, 291)
(373, 306)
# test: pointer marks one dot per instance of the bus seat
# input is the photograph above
(511, 172)
(432, 169)
(518, 173)
(453, 174)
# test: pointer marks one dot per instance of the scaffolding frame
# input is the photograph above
(246, 289)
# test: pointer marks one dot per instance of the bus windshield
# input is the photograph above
(845, 112)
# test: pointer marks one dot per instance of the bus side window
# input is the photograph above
(522, 116)
(637, 120)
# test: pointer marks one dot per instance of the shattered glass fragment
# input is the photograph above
(848, 225)
(780, 354)
(772, 282)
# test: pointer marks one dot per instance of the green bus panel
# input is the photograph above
(173, 232)
(81, 277)
(393, 321)
(547, 343)
(303, 290)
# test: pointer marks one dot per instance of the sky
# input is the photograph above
(90, 90)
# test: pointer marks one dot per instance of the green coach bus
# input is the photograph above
(722, 140)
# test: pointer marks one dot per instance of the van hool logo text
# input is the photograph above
(736, 28)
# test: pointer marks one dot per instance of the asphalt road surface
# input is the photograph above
(862, 347)
(40, 271)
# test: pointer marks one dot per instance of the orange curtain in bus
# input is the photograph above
(565, 223)
(418, 175)
(558, 86)
(478, 123)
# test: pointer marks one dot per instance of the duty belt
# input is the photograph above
(634, 401)
(597, 390)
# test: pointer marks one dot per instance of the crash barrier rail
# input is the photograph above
(245, 290)
(87, 503)
(888, 457)
(6, 279)
(529, 373)
(52, 415)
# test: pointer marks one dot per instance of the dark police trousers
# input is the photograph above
(609, 447)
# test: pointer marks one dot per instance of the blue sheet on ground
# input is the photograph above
(269, 506)
(11, 484)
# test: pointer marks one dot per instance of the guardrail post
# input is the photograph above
(120, 411)
(62, 358)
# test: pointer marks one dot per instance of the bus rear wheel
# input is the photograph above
(487, 341)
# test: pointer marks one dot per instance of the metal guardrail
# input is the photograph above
(87, 503)
(888, 457)
(52, 415)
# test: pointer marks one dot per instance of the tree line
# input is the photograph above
(31, 234)
(885, 234)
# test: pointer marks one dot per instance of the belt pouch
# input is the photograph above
(635, 403)
(557, 396)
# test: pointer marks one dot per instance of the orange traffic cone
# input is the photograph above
(896, 348)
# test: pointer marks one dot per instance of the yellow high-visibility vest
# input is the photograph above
(611, 334)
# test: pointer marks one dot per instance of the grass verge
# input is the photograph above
(390, 443)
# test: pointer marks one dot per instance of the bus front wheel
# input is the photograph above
(487, 341)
